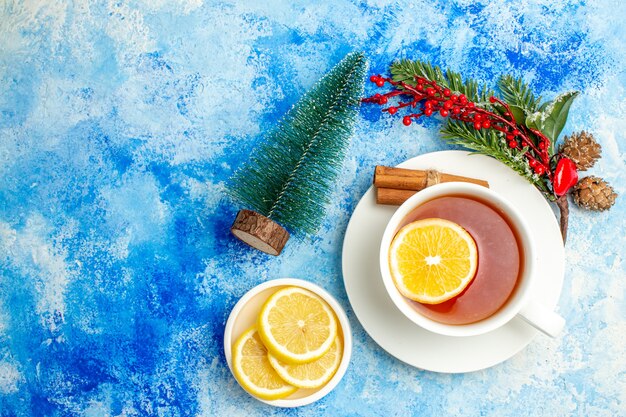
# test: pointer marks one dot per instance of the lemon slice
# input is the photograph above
(432, 260)
(253, 370)
(296, 325)
(313, 374)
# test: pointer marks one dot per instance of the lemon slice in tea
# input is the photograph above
(432, 260)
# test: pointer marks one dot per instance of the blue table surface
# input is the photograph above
(120, 123)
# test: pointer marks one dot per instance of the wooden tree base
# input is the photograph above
(259, 232)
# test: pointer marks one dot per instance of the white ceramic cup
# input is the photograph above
(520, 303)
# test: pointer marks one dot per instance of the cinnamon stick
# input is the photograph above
(396, 185)
(415, 179)
(392, 196)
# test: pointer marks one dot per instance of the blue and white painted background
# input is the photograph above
(120, 122)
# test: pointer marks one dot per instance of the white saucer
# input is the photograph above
(397, 334)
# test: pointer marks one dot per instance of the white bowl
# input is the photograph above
(245, 313)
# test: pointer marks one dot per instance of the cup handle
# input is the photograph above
(542, 318)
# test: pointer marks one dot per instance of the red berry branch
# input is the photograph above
(554, 175)
(431, 98)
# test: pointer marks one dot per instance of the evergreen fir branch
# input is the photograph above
(406, 70)
(289, 175)
(517, 93)
(490, 143)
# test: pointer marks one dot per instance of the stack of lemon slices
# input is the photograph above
(295, 344)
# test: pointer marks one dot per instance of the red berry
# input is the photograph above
(477, 125)
(540, 170)
(456, 110)
(543, 145)
(430, 91)
(377, 95)
(443, 112)
(512, 144)
(420, 87)
(486, 124)
(470, 105)
(447, 105)
(492, 99)
(380, 82)
(428, 111)
(383, 100)
(478, 117)
(454, 97)
(428, 104)
(565, 176)
(374, 78)
(447, 92)
(392, 110)
(515, 132)
(532, 163)
(509, 136)
(406, 120)
(463, 99)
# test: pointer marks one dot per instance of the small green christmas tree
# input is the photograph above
(288, 177)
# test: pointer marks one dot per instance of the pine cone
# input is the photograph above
(581, 148)
(593, 193)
